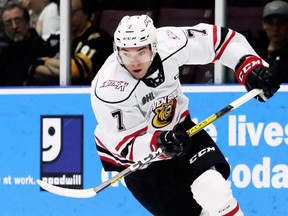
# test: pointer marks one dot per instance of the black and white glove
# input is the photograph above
(173, 143)
(251, 72)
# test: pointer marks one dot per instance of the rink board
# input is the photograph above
(254, 139)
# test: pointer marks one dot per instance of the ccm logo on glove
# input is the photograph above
(246, 67)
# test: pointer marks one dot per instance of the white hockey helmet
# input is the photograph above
(135, 31)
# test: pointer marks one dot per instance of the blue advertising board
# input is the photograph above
(48, 133)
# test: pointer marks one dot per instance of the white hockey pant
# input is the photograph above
(214, 195)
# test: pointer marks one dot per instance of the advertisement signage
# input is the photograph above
(62, 151)
(47, 133)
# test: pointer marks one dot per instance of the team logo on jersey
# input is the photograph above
(117, 84)
(147, 98)
(62, 151)
(164, 109)
(172, 35)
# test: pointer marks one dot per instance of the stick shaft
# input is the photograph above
(235, 104)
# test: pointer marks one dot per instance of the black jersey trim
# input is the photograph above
(224, 33)
(104, 151)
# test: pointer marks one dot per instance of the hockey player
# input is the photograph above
(138, 103)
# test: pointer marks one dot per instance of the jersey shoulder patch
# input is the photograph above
(173, 39)
(113, 83)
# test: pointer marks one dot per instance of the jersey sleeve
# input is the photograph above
(208, 43)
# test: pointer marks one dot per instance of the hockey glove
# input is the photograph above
(251, 72)
(173, 143)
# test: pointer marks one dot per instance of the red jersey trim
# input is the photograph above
(224, 46)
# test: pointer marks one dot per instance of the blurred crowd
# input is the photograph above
(30, 38)
(31, 55)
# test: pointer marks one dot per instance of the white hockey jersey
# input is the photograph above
(129, 111)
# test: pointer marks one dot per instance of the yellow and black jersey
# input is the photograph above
(88, 52)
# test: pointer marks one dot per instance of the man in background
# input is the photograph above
(24, 45)
(45, 16)
(3, 38)
(89, 49)
(272, 46)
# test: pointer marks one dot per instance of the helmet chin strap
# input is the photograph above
(154, 51)
(156, 63)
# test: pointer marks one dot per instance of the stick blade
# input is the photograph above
(67, 192)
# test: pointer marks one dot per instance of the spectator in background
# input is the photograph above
(24, 45)
(45, 15)
(90, 47)
(272, 46)
(3, 38)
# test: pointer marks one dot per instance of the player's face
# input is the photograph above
(15, 25)
(137, 60)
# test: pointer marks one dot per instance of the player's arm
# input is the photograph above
(250, 69)
(209, 43)
(233, 50)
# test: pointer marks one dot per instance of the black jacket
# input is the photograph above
(277, 59)
(16, 59)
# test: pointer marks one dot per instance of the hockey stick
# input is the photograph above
(87, 193)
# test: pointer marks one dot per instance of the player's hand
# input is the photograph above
(261, 77)
(173, 143)
(251, 72)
